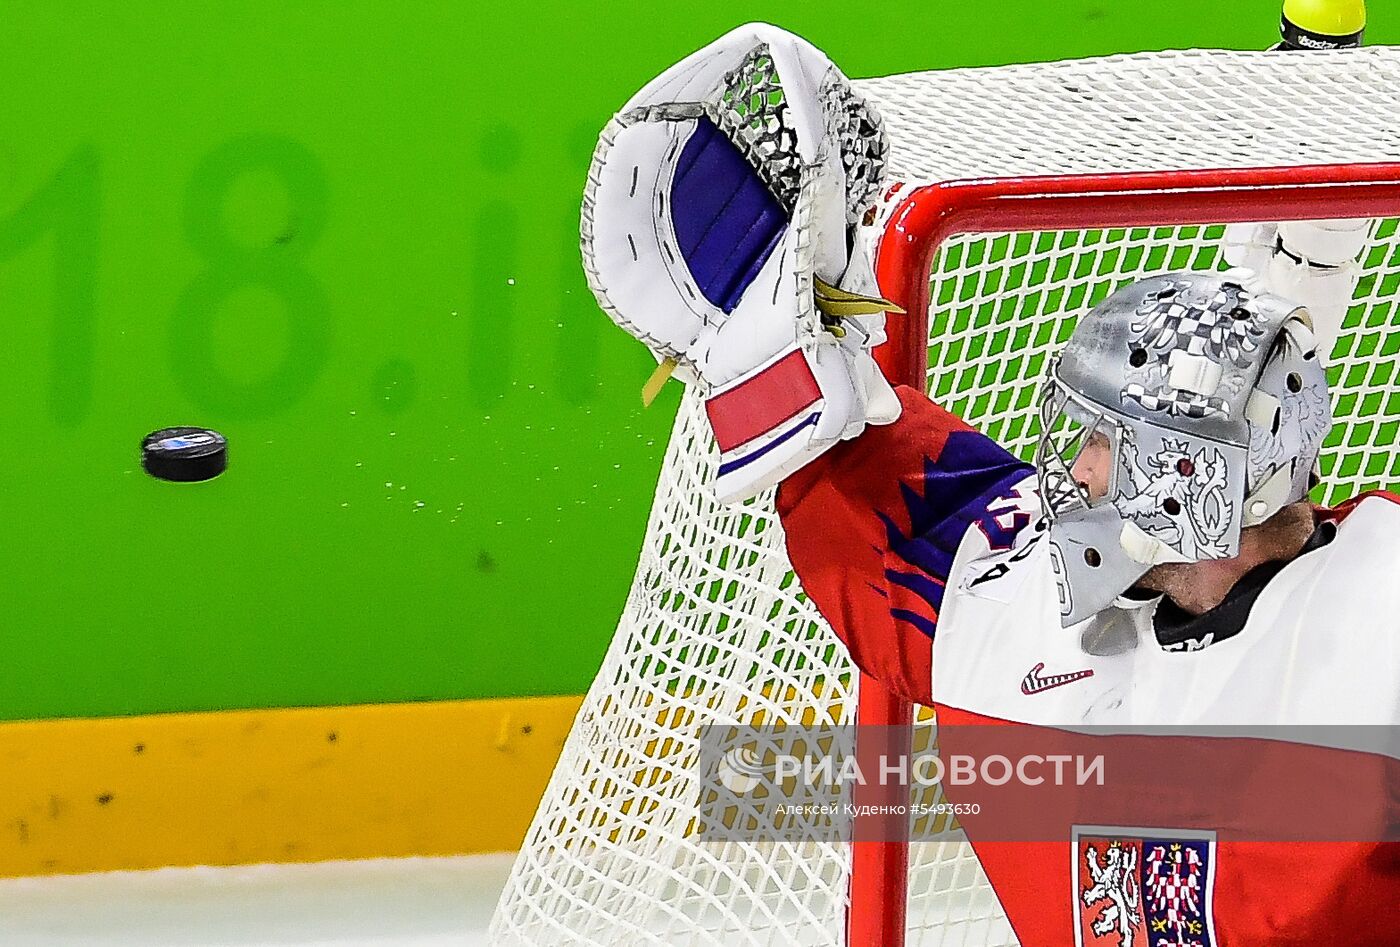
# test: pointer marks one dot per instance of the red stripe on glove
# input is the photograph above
(763, 402)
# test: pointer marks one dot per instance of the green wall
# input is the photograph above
(345, 234)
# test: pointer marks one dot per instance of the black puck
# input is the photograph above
(184, 454)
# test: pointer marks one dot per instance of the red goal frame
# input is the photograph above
(930, 214)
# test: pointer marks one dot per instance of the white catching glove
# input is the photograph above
(715, 224)
(1310, 262)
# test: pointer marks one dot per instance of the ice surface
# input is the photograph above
(411, 902)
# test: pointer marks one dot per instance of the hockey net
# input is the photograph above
(716, 627)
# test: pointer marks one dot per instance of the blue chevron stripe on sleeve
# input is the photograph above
(955, 490)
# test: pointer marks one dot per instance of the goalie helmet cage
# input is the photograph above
(1054, 185)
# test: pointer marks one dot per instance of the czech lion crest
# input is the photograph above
(1143, 887)
(1177, 494)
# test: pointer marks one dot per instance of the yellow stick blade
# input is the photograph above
(657, 381)
(835, 301)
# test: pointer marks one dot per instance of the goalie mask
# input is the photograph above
(1182, 409)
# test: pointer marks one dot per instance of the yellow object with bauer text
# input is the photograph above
(1323, 24)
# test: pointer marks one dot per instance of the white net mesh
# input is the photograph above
(716, 627)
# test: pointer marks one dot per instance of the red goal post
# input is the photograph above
(931, 214)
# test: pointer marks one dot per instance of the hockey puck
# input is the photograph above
(184, 454)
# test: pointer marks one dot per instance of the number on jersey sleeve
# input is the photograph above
(873, 526)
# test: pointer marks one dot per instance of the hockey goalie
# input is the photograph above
(1159, 565)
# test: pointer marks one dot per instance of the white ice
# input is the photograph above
(411, 902)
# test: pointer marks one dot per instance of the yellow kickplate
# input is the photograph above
(275, 785)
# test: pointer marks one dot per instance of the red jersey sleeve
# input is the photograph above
(873, 526)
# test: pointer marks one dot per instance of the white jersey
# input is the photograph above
(923, 544)
(1321, 644)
